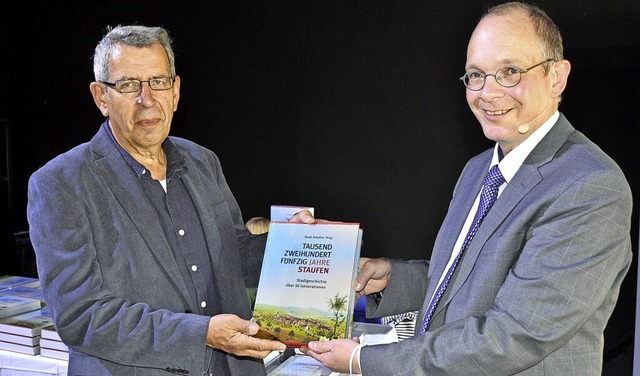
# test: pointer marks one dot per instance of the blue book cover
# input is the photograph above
(11, 305)
(25, 291)
(305, 292)
(7, 281)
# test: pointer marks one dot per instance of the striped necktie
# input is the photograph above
(489, 194)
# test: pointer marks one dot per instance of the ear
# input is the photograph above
(176, 93)
(98, 91)
(560, 73)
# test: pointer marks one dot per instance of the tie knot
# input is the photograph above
(494, 177)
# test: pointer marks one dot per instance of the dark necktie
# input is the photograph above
(492, 183)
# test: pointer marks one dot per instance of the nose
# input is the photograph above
(145, 95)
(491, 88)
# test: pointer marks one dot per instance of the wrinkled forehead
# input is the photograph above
(138, 62)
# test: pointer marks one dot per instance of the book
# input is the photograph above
(7, 281)
(272, 360)
(11, 305)
(46, 343)
(26, 291)
(374, 334)
(301, 365)
(28, 323)
(20, 340)
(51, 344)
(34, 284)
(283, 213)
(55, 354)
(49, 332)
(23, 349)
(305, 291)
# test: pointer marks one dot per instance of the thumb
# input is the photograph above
(306, 216)
(250, 328)
(317, 346)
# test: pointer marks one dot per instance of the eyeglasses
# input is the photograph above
(133, 85)
(507, 77)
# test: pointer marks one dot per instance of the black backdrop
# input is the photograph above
(352, 107)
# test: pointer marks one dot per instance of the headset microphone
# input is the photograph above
(524, 128)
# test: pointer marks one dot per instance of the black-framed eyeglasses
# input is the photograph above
(507, 76)
(133, 85)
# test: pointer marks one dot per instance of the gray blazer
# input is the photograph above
(537, 284)
(116, 294)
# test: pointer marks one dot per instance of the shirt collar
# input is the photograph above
(510, 164)
(175, 160)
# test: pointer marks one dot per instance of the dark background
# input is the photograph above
(353, 107)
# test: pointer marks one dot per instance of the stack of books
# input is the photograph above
(51, 345)
(27, 287)
(21, 332)
(26, 325)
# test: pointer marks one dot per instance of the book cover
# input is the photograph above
(305, 292)
(283, 213)
(28, 323)
(11, 305)
(26, 291)
(55, 354)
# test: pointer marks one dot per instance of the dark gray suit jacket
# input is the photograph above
(539, 281)
(118, 299)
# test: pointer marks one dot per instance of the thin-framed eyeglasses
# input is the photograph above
(134, 85)
(506, 76)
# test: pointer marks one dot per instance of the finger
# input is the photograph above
(319, 347)
(257, 354)
(362, 261)
(303, 216)
(257, 348)
(266, 345)
(365, 272)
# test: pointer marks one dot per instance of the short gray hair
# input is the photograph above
(135, 36)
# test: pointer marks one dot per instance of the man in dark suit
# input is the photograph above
(539, 279)
(142, 252)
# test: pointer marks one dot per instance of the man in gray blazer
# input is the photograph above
(537, 283)
(142, 253)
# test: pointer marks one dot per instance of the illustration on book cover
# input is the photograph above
(305, 292)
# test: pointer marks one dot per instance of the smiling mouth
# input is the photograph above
(498, 112)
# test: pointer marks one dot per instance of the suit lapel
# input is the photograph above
(131, 197)
(192, 181)
(461, 203)
(527, 177)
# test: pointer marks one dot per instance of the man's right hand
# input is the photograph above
(233, 335)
